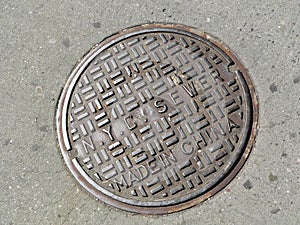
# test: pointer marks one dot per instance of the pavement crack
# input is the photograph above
(66, 217)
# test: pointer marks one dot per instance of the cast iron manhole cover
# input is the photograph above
(156, 118)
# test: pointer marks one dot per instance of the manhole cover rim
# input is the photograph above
(76, 72)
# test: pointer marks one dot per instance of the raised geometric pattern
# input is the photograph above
(154, 116)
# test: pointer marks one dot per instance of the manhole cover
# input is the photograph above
(156, 118)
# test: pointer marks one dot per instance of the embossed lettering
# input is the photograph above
(135, 175)
(231, 125)
(153, 166)
(122, 182)
(218, 130)
(165, 158)
(187, 148)
(129, 122)
(200, 139)
(176, 79)
(190, 89)
(175, 98)
(132, 178)
(87, 144)
(215, 76)
(161, 106)
(143, 172)
(204, 84)
(108, 132)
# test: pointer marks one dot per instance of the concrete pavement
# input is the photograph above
(40, 43)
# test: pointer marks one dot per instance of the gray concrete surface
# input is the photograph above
(40, 41)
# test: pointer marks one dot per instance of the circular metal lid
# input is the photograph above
(156, 118)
